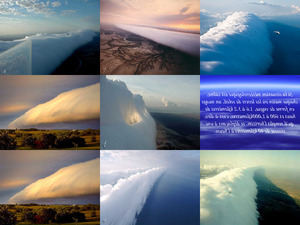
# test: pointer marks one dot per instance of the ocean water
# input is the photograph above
(174, 199)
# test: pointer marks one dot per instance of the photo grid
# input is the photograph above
(249, 109)
(135, 112)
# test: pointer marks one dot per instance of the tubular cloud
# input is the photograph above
(76, 180)
(72, 106)
(238, 45)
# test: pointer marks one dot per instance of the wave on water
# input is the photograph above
(238, 45)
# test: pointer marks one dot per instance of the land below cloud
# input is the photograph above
(123, 52)
(30, 139)
(25, 214)
(177, 131)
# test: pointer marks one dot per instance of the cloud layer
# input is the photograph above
(48, 52)
(125, 121)
(123, 201)
(186, 42)
(229, 198)
(80, 104)
(80, 179)
(238, 45)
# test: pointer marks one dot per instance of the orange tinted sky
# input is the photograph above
(172, 13)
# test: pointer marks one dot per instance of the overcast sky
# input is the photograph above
(171, 13)
(40, 16)
(22, 93)
(22, 168)
(169, 94)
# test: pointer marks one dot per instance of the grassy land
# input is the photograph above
(90, 144)
(88, 214)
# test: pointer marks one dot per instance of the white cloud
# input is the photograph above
(50, 50)
(296, 9)
(186, 42)
(76, 105)
(125, 121)
(67, 12)
(56, 4)
(76, 180)
(118, 206)
(34, 6)
(168, 103)
(238, 45)
(229, 198)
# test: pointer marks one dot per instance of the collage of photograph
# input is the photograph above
(249, 112)
(136, 112)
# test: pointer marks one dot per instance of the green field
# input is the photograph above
(90, 219)
(91, 138)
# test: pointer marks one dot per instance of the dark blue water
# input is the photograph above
(174, 199)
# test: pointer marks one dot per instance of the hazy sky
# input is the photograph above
(229, 81)
(170, 94)
(21, 168)
(235, 158)
(123, 160)
(262, 8)
(40, 16)
(21, 93)
(171, 13)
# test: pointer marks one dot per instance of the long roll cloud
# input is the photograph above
(229, 198)
(238, 45)
(81, 179)
(77, 105)
(182, 41)
(123, 201)
(125, 121)
(42, 54)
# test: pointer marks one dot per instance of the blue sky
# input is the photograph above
(171, 94)
(219, 8)
(38, 16)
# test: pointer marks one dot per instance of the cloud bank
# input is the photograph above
(16, 60)
(238, 45)
(229, 198)
(125, 121)
(123, 201)
(80, 104)
(185, 42)
(48, 52)
(80, 179)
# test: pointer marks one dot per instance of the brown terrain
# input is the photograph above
(124, 53)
